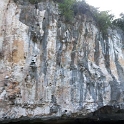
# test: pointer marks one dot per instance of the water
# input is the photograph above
(76, 121)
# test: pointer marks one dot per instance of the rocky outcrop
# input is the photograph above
(50, 68)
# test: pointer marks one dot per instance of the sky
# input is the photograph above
(115, 6)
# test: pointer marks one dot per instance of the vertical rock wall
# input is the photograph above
(52, 68)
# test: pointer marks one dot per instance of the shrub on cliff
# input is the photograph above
(66, 8)
(103, 18)
(119, 22)
(104, 21)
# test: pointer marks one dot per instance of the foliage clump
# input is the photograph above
(70, 8)
(66, 8)
(104, 21)
(119, 22)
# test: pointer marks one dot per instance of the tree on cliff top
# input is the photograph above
(120, 22)
(104, 21)
(66, 8)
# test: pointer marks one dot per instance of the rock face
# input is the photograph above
(50, 69)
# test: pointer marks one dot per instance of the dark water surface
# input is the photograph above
(76, 121)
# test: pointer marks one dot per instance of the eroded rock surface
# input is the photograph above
(50, 69)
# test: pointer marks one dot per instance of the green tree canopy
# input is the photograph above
(66, 8)
(104, 20)
(119, 22)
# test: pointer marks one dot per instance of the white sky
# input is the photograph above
(116, 6)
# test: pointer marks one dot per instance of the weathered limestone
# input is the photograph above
(49, 68)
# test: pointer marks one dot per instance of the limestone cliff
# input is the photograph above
(50, 69)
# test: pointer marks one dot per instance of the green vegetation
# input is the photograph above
(104, 21)
(66, 8)
(119, 22)
(71, 8)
